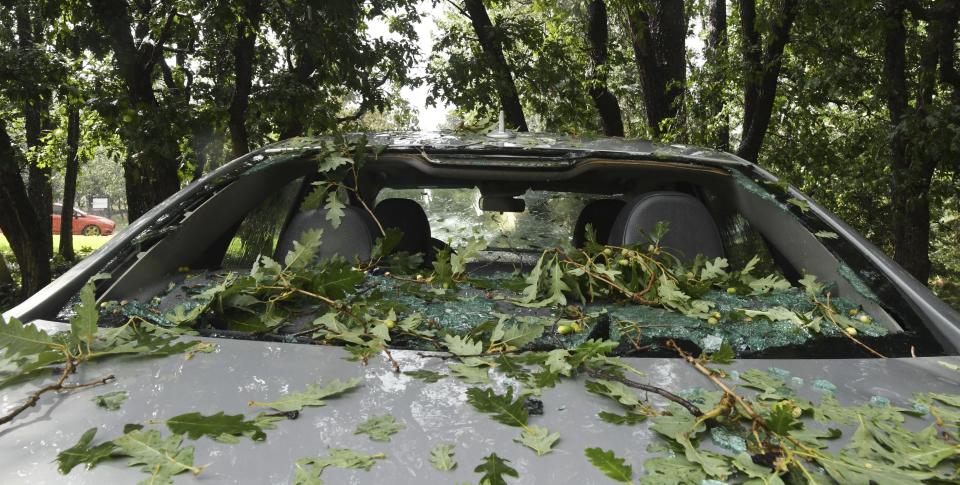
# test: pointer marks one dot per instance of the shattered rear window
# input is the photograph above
(457, 297)
(455, 217)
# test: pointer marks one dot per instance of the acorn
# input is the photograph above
(851, 331)
(576, 327)
(564, 329)
(390, 324)
(607, 251)
(731, 291)
(623, 262)
(713, 321)
(853, 312)
(716, 315)
(865, 319)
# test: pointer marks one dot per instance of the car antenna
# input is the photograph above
(501, 131)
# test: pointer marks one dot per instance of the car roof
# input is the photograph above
(569, 147)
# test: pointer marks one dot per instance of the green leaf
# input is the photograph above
(194, 425)
(723, 355)
(614, 390)
(610, 464)
(504, 408)
(19, 339)
(111, 401)
(781, 419)
(511, 337)
(380, 428)
(800, 203)
(768, 283)
(680, 427)
(332, 162)
(304, 250)
(494, 469)
(427, 376)
(715, 269)
(674, 470)
(466, 254)
(811, 285)
(538, 439)
(777, 314)
(334, 207)
(307, 470)
(83, 453)
(532, 290)
(313, 396)
(626, 419)
(161, 457)
(441, 457)
(470, 374)
(462, 346)
(557, 362)
(83, 325)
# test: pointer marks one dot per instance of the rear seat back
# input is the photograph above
(352, 239)
(691, 231)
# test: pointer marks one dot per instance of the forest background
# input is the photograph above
(855, 102)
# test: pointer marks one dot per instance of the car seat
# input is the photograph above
(601, 214)
(352, 239)
(408, 217)
(691, 231)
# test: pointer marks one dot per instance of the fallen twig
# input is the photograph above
(689, 406)
(57, 386)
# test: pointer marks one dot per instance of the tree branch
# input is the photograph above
(57, 386)
(689, 406)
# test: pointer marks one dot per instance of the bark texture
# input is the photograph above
(70, 183)
(911, 168)
(611, 118)
(658, 31)
(492, 46)
(716, 57)
(19, 221)
(761, 71)
(244, 53)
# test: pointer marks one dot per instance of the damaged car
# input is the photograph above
(515, 308)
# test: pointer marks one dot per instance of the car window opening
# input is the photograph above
(722, 281)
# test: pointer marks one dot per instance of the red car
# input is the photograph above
(83, 223)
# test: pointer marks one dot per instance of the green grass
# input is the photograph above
(93, 242)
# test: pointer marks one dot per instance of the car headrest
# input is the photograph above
(352, 239)
(691, 229)
(409, 218)
(601, 214)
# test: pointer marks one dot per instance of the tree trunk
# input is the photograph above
(611, 118)
(150, 170)
(716, 57)
(492, 46)
(36, 121)
(659, 48)
(70, 183)
(19, 221)
(761, 72)
(244, 52)
(5, 277)
(911, 167)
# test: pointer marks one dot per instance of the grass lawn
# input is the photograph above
(93, 242)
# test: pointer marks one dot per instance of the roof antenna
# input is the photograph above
(501, 131)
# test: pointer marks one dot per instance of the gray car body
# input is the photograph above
(242, 371)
